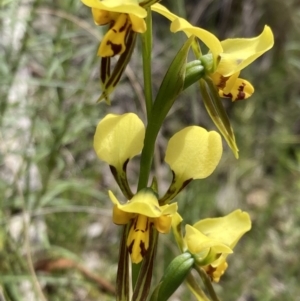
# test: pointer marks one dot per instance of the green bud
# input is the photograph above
(201, 260)
(194, 72)
(174, 275)
(208, 62)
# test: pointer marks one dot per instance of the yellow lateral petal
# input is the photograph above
(138, 24)
(163, 223)
(210, 40)
(169, 209)
(163, 11)
(120, 6)
(119, 138)
(228, 229)
(101, 17)
(144, 202)
(197, 242)
(180, 24)
(120, 217)
(194, 153)
(239, 53)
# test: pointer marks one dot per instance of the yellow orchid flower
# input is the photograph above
(211, 240)
(118, 138)
(143, 211)
(122, 16)
(192, 153)
(229, 57)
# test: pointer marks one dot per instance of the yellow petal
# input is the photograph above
(180, 24)
(120, 217)
(239, 53)
(113, 42)
(138, 238)
(240, 90)
(138, 24)
(144, 202)
(210, 40)
(119, 138)
(163, 223)
(197, 242)
(224, 83)
(101, 17)
(215, 272)
(232, 86)
(193, 153)
(169, 209)
(163, 11)
(228, 229)
(120, 6)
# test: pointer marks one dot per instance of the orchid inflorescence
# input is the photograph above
(192, 153)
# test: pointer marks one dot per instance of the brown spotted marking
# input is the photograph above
(142, 246)
(223, 80)
(240, 95)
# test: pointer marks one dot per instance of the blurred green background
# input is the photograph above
(57, 241)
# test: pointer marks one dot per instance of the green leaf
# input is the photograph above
(174, 275)
(170, 88)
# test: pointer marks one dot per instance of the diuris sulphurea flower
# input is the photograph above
(143, 212)
(228, 57)
(211, 240)
(122, 16)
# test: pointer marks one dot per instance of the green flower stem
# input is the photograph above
(207, 283)
(195, 289)
(147, 73)
(146, 53)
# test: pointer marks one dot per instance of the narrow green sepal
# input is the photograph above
(207, 283)
(174, 275)
(154, 186)
(194, 72)
(196, 48)
(173, 190)
(217, 113)
(121, 178)
(110, 81)
(122, 287)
